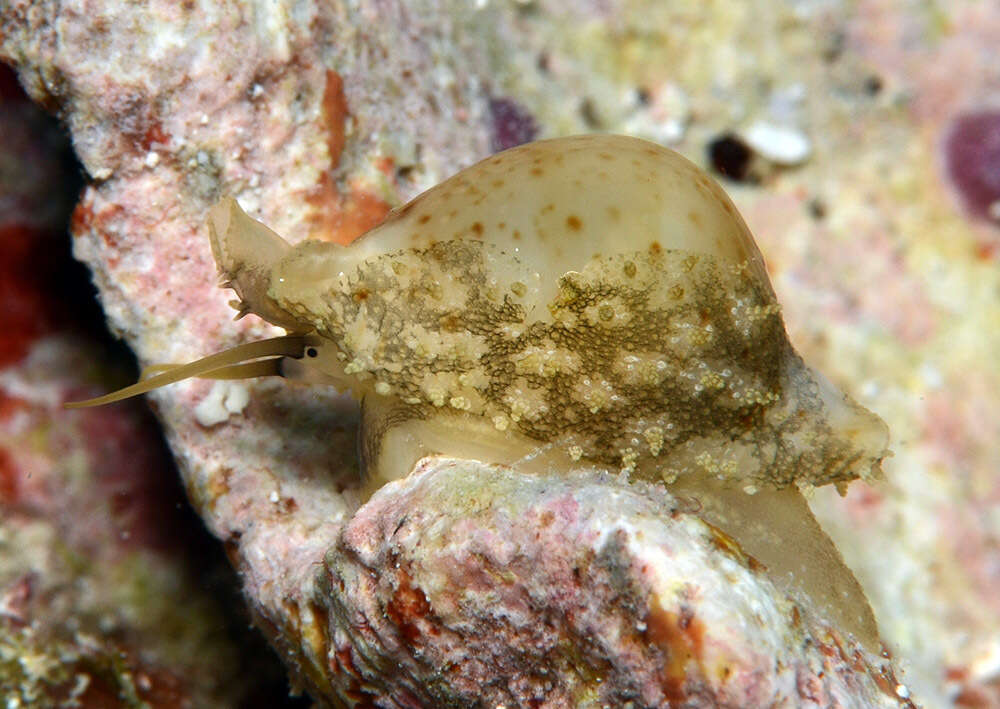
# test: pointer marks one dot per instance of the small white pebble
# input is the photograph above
(869, 389)
(274, 497)
(902, 691)
(223, 399)
(152, 158)
(257, 90)
(237, 398)
(102, 173)
(204, 119)
(210, 411)
(933, 379)
(780, 144)
(672, 130)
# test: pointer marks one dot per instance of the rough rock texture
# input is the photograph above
(489, 588)
(105, 599)
(319, 118)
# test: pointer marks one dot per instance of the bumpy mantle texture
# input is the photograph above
(464, 584)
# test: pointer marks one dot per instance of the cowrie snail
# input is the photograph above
(593, 300)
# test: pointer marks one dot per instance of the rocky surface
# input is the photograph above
(319, 118)
(107, 595)
(487, 587)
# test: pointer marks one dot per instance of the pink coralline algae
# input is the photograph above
(972, 155)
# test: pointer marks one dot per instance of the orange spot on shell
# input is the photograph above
(573, 222)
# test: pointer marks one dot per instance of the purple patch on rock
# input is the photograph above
(511, 124)
(972, 158)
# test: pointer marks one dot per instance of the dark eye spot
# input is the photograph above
(311, 352)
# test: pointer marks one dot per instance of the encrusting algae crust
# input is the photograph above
(583, 301)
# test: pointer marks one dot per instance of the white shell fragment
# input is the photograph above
(782, 145)
(223, 400)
